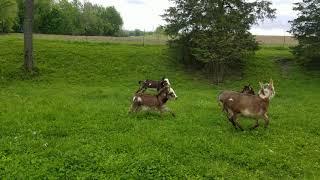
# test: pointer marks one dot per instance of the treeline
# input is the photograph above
(61, 17)
(137, 32)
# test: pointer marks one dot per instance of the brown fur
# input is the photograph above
(247, 89)
(156, 102)
(254, 106)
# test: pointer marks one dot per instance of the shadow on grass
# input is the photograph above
(20, 74)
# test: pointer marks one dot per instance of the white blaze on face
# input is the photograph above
(263, 94)
(137, 99)
(167, 81)
(267, 91)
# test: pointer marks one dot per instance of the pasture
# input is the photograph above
(71, 119)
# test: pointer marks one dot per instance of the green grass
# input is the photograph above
(71, 120)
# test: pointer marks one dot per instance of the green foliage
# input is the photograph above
(71, 121)
(160, 30)
(72, 18)
(8, 13)
(306, 30)
(215, 34)
(138, 32)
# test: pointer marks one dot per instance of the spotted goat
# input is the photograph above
(247, 105)
(156, 102)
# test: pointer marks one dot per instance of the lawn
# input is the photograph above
(71, 121)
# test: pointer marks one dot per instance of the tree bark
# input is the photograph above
(28, 46)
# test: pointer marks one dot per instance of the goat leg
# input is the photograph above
(266, 120)
(172, 113)
(230, 115)
(256, 125)
(165, 109)
(141, 90)
(233, 123)
(138, 91)
(134, 108)
(130, 109)
(234, 118)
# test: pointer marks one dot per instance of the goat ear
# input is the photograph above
(261, 85)
(271, 82)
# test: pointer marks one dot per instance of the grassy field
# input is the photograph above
(71, 120)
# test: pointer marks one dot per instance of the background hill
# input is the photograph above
(71, 120)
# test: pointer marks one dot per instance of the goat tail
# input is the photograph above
(220, 99)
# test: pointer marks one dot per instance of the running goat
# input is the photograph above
(253, 106)
(156, 102)
(153, 84)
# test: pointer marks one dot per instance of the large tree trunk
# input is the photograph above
(28, 47)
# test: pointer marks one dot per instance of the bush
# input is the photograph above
(306, 30)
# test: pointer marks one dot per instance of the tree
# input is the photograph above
(112, 21)
(214, 34)
(160, 30)
(28, 46)
(18, 26)
(8, 13)
(71, 17)
(306, 29)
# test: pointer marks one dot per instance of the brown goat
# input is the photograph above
(156, 102)
(153, 84)
(247, 89)
(254, 106)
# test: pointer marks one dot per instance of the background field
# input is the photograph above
(71, 120)
(157, 39)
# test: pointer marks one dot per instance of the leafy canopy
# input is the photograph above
(71, 17)
(306, 29)
(8, 13)
(215, 33)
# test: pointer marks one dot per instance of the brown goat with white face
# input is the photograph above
(254, 106)
(156, 102)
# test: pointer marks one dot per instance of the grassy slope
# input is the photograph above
(72, 121)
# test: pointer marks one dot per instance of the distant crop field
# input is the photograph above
(277, 40)
(155, 39)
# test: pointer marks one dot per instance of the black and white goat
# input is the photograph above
(164, 82)
(156, 102)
